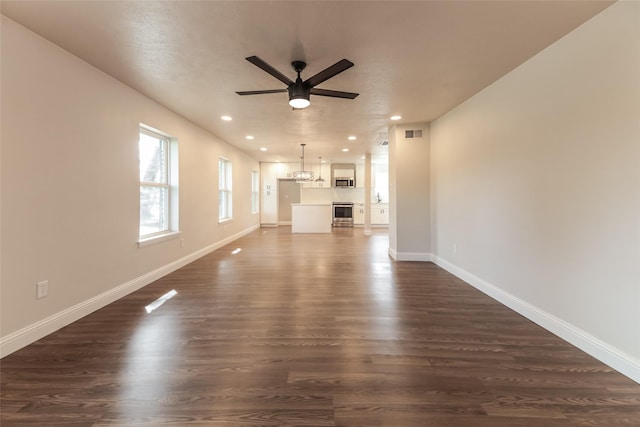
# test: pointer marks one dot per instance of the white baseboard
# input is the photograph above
(410, 256)
(392, 253)
(42, 328)
(611, 356)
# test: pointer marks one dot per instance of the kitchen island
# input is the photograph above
(311, 218)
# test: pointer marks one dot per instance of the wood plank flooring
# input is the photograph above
(310, 330)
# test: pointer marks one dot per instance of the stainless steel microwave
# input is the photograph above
(343, 182)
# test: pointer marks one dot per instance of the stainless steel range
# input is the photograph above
(343, 214)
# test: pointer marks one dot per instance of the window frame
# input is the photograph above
(225, 189)
(169, 186)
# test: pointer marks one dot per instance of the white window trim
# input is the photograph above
(228, 189)
(152, 240)
(173, 230)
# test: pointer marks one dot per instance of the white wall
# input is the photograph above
(536, 181)
(69, 177)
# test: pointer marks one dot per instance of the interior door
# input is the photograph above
(288, 193)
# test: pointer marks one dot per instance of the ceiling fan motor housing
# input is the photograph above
(299, 66)
(299, 90)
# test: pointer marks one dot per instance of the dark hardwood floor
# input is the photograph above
(310, 330)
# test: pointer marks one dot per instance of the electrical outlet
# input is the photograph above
(42, 289)
(182, 243)
(455, 248)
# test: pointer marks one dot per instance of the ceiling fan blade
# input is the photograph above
(269, 69)
(260, 92)
(327, 73)
(333, 93)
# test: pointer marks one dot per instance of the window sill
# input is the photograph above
(158, 239)
(222, 221)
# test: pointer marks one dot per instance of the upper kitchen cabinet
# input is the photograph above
(285, 170)
(319, 172)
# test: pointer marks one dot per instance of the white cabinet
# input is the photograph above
(323, 171)
(314, 184)
(270, 173)
(358, 214)
(380, 214)
(285, 170)
(318, 171)
(268, 193)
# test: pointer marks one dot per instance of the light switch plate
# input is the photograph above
(42, 289)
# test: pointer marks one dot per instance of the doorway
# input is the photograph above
(288, 193)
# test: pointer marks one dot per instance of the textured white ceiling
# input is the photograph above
(418, 59)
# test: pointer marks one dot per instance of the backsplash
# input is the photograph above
(329, 195)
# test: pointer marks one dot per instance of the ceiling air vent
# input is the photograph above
(416, 133)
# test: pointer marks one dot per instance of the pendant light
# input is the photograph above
(319, 179)
(303, 175)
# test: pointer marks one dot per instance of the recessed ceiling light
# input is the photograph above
(324, 161)
(345, 149)
(352, 138)
(395, 117)
(263, 149)
(249, 137)
(226, 118)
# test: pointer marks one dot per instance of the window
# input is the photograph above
(158, 185)
(381, 186)
(255, 192)
(224, 190)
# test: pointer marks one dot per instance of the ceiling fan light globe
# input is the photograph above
(299, 103)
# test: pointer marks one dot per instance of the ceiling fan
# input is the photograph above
(300, 91)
